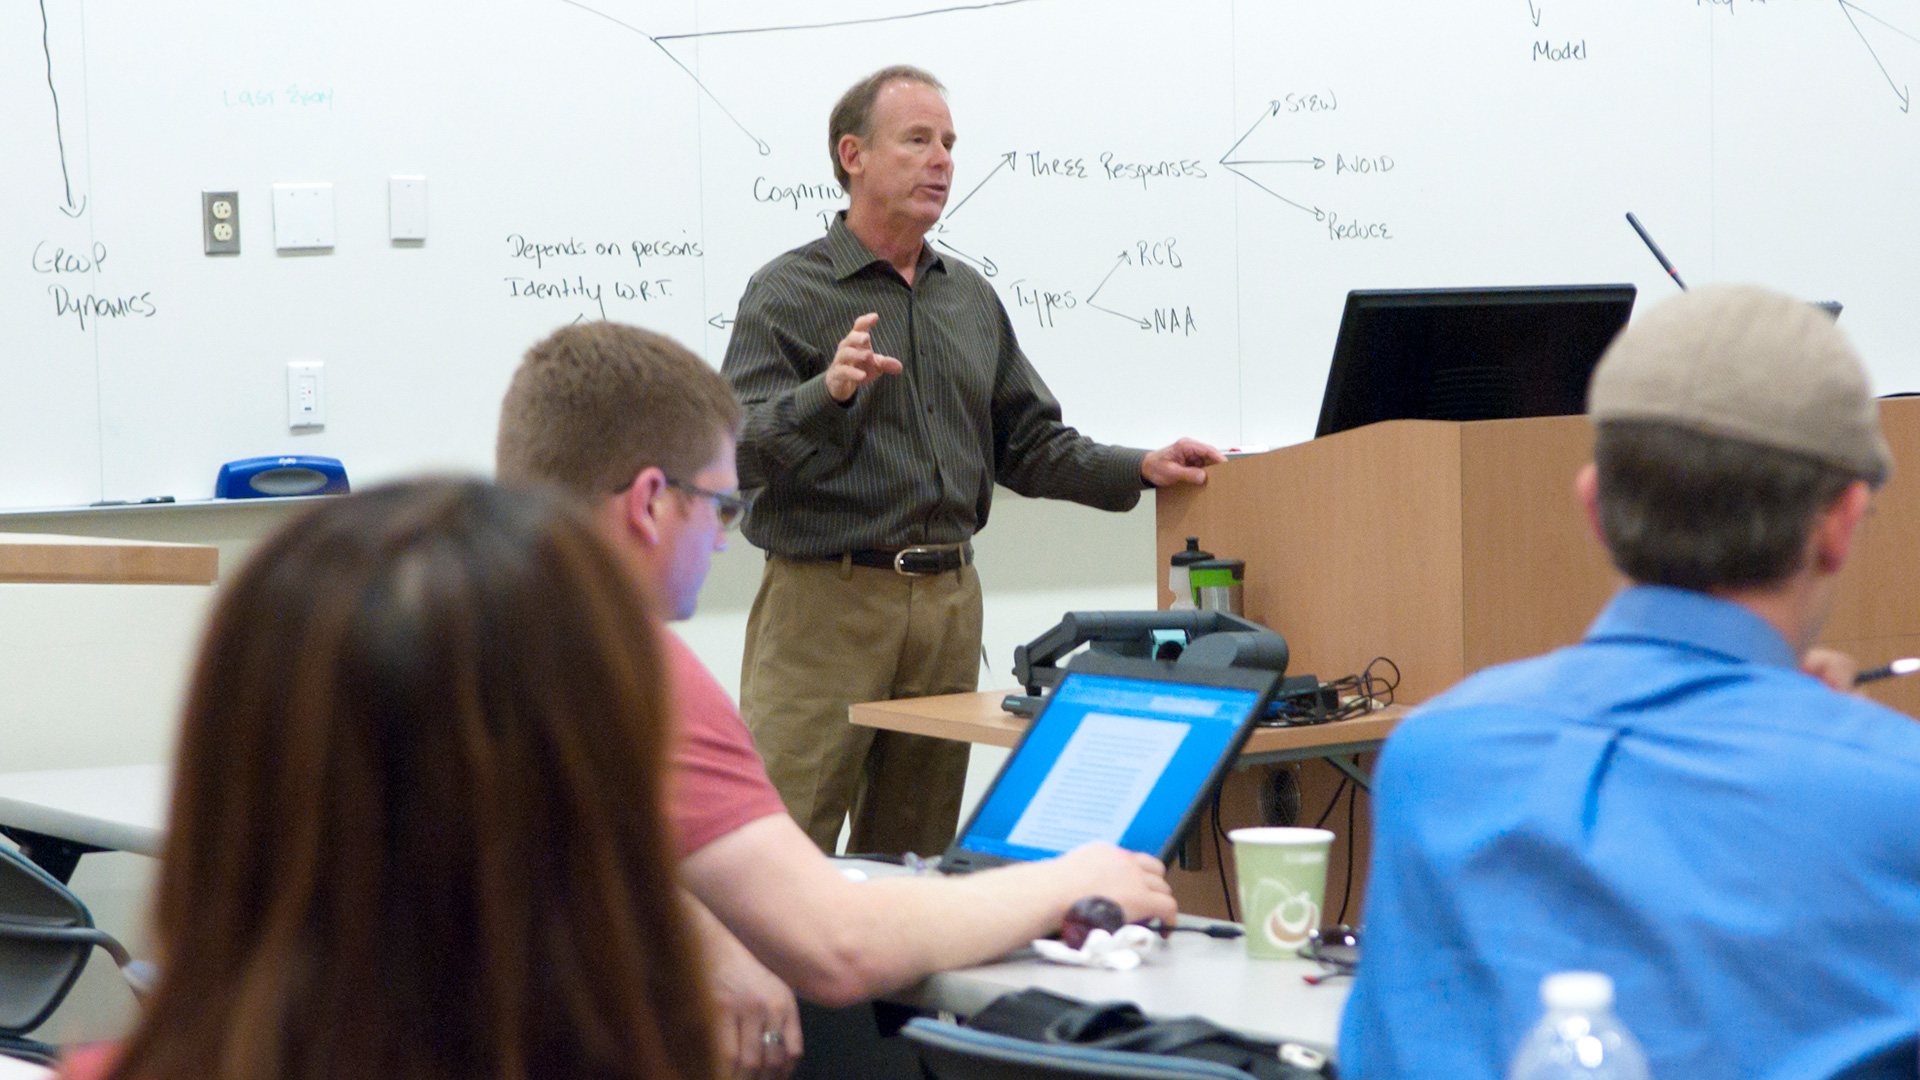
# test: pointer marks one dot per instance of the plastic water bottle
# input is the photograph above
(1579, 1038)
(1178, 580)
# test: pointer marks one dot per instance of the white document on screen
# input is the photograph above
(1096, 787)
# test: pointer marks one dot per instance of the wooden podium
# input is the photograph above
(1450, 547)
(1443, 546)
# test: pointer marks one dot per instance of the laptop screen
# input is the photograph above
(1111, 758)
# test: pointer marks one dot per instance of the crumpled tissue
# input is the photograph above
(1121, 950)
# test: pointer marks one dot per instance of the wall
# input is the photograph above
(1037, 560)
(1171, 202)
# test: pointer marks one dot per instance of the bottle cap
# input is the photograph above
(1193, 554)
(1581, 991)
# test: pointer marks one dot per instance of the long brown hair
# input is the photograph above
(417, 829)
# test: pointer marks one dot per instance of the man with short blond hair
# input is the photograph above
(642, 431)
(600, 442)
(886, 395)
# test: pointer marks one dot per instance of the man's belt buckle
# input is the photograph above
(900, 561)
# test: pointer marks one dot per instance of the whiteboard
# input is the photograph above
(1171, 199)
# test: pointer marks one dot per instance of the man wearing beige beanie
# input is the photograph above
(1672, 801)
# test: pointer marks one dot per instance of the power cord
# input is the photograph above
(1363, 693)
(1352, 791)
(1220, 857)
(1346, 887)
(1357, 695)
(1340, 699)
(1321, 821)
(1212, 931)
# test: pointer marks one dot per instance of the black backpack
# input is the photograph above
(1043, 1016)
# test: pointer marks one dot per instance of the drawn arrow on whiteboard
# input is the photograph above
(1006, 160)
(1103, 281)
(1134, 319)
(1535, 12)
(659, 41)
(720, 322)
(1318, 214)
(71, 209)
(759, 143)
(988, 5)
(1848, 9)
(1272, 109)
(986, 265)
(1232, 165)
(1318, 163)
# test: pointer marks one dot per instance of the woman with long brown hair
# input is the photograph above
(417, 831)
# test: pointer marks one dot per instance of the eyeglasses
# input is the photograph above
(1337, 948)
(727, 508)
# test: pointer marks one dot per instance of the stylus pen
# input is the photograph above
(1655, 248)
(1906, 666)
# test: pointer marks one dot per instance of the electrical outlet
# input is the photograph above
(220, 221)
(306, 394)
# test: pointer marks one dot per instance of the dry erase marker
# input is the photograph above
(1906, 666)
(1657, 253)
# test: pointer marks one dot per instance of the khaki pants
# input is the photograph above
(825, 635)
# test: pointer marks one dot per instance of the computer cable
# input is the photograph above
(1220, 856)
(1339, 699)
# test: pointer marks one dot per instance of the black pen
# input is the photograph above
(1906, 666)
(134, 502)
(1655, 248)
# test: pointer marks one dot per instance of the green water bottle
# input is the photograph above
(1219, 585)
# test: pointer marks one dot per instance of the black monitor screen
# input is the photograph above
(1469, 354)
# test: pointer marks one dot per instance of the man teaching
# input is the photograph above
(885, 396)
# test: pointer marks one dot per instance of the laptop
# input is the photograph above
(1125, 751)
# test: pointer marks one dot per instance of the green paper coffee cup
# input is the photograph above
(1283, 886)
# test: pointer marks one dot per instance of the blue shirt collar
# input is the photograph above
(1692, 620)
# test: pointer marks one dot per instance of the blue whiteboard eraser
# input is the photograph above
(289, 474)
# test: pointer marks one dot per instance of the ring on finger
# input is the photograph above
(772, 1038)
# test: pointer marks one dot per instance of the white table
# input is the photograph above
(59, 815)
(124, 809)
(1194, 975)
(15, 1069)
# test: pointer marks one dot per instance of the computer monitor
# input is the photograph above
(1468, 354)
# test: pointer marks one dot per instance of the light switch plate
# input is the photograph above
(407, 207)
(306, 394)
(302, 216)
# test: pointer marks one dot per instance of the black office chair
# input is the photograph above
(46, 938)
(952, 1052)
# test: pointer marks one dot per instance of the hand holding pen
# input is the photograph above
(1905, 666)
(1839, 670)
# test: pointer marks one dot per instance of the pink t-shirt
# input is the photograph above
(718, 782)
(89, 1062)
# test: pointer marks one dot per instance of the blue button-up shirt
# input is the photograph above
(1670, 802)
